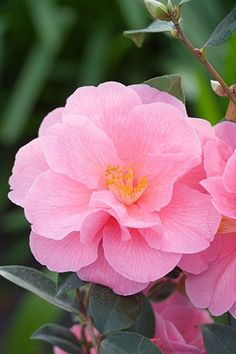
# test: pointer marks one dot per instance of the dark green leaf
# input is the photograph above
(168, 83)
(232, 320)
(145, 324)
(219, 339)
(162, 290)
(223, 31)
(112, 312)
(58, 336)
(39, 284)
(68, 281)
(127, 343)
(155, 27)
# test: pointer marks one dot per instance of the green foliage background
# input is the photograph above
(47, 49)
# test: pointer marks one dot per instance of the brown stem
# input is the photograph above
(200, 56)
(231, 111)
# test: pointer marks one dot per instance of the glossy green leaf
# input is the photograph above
(68, 281)
(127, 343)
(219, 339)
(155, 27)
(58, 336)
(39, 284)
(112, 312)
(168, 83)
(223, 31)
(145, 324)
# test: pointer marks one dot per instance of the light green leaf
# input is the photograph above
(58, 336)
(155, 27)
(39, 284)
(168, 83)
(183, 2)
(127, 343)
(223, 31)
(112, 312)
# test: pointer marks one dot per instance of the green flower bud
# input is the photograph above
(157, 10)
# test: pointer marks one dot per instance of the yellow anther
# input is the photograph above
(120, 180)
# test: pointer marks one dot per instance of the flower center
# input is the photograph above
(122, 182)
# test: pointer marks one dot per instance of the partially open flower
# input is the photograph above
(178, 326)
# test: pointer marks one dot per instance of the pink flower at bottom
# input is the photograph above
(103, 186)
(76, 330)
(177, 326)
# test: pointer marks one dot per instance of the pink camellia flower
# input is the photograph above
(76, 330)
(103, 186)
(178, 326)
(211, 273)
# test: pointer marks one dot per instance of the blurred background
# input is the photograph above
(47, 49)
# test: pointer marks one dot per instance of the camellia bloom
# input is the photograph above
(211, 274)
(76, 330)
(104, 186)
(178, 326)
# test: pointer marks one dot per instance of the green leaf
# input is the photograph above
(58, 336)
(127, 343)
(145, 324)
(183, 2)
(39, 284)
(232, 321)
(162, 290)
(223, 31)
(155, 27)
(112, 312)
(168, 83)
(219, 339)
(68, 281)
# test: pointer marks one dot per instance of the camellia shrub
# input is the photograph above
(133, 203)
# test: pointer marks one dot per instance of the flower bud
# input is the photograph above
(217, 88)
(157, 10)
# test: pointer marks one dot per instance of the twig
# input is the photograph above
(199, 54)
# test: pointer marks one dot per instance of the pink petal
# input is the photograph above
(56, 205)
(190, 221)
(52, 118)
(226, 131)
(134, 258)
(233, 310)
(223, 201)
(102, 273)
(203, 128)
(230, 174)
(129, 216)
(162, 171)
(82, 153)
(107, 105)
(30, 163)
(152, 95)
(155, 128)
(66, 255)
(216, 154)
(92, 224)
(198, 262)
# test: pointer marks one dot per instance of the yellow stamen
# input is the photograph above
(120, 180)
